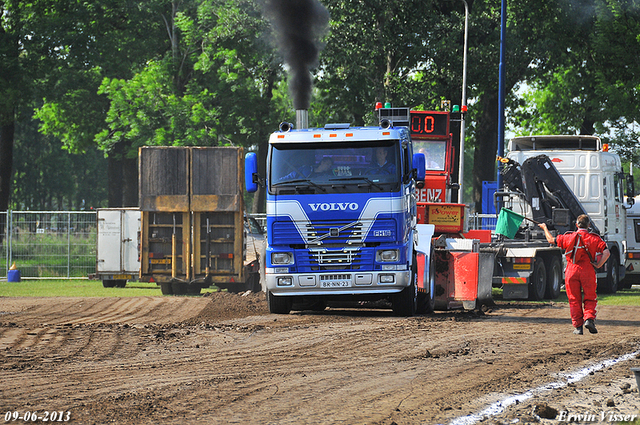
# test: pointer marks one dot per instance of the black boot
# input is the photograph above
(578, 330)
(590, 324)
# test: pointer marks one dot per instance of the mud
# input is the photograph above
(224, 359)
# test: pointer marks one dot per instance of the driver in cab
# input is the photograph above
(381, 163)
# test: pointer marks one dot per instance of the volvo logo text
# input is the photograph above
(334, 206)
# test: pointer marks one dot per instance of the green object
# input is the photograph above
(387, 104)
(456, 108)
(508, 223)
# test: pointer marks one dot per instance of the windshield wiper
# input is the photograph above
(368, 180)
(299, 181)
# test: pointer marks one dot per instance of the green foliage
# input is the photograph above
(147, 110)
(47, 177)
(593, 88)
(377, 52)
(124, 73)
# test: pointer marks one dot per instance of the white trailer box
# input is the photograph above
(632, 276)
(118, 238)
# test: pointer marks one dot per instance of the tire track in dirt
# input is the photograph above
(60, 311)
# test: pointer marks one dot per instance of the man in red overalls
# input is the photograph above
(580, 250)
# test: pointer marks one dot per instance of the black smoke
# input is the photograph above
(299, 25)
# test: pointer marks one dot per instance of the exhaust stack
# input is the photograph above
(302, 119)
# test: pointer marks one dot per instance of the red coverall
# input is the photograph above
(580, 276)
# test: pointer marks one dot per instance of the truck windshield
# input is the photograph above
(335, 166)
(434, 153)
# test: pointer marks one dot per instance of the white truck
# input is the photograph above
(117, 254)
(632, 274)
(594, 176)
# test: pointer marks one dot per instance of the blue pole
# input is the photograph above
(501, 88)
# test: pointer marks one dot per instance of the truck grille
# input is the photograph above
(325, 257)
(334, 259)
(331, 232)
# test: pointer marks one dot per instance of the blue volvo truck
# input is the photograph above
(341, 217)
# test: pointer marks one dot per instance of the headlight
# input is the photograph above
(279, 258)
(387, 278)
(285, 281)
(388, 255)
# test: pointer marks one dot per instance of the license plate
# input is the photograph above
(122, 276)
(160, 261)
(335, 284)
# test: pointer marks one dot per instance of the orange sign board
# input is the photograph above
(447, 218)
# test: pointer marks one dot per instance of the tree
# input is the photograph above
(594, 89)
(116, 38)
(410, 53)
(47, 177)
(377, 52)
(214, 89)
(11, 84)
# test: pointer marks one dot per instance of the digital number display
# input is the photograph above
(429, 124)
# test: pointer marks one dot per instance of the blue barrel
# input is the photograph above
(13, 276)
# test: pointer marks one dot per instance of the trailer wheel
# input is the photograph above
(121, 283)
(611, 282)
(538, 284)
(554, 278)
(278, 305)
(405, 303)
(179, 288)
(166, 288)
(108, 283)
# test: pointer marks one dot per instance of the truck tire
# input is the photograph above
(121, 283)
(405, 303)
(610, 284)
(626, 283)
(109, 283)
(554, 278)
(538, 284)
(278, 305)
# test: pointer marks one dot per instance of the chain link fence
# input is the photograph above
(49, 244)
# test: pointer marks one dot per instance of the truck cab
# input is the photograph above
(341, 210)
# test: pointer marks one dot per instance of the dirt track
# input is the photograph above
(225, 359)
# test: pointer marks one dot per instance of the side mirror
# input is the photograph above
(419, 165)
(251, 172)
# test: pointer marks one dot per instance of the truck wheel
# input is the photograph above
(612, 280)
(278, 305)
(554, 278)
(121, 283)
(108, 283)
(538, 284)
(405, 303)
